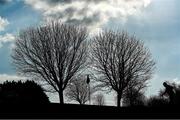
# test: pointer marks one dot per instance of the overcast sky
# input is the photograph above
(156, 22)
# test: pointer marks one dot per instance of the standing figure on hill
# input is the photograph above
(170, 91)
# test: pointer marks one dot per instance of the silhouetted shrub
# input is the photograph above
(22, 92)
(177, 96)
(157, 101)
(134, 97)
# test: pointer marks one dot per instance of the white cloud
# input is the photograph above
(176, 80)
(4, 77)
(3, 23)
(91, 13)
(6, 38)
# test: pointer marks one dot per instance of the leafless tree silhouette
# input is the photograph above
(134, 96)
(120, 59)
(54, 52)
(99, 99)
(78, 90)
(134, 93)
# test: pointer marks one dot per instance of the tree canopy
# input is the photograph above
(54, 53)
(120, 60)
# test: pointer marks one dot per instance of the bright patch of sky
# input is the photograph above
(14, 16)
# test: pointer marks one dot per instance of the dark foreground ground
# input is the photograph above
(70, 111)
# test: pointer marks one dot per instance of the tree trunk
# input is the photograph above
(119, 95)
(61, 98)
(80, 102)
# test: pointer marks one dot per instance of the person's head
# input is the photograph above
(165, 84)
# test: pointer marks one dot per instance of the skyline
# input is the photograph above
(153, 21)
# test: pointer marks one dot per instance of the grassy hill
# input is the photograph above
(55, 110)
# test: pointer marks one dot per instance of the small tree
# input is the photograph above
(78, 90)
(133, 97)
(134, 93)
(53, 53)
(99, 99)
(120, 59)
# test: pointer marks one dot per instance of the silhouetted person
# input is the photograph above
(170, 91)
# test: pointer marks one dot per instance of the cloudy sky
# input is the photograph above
(156, 22)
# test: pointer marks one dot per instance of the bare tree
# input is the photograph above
(119, 59)
(54, 52)
(99, 99)
(78, 90)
